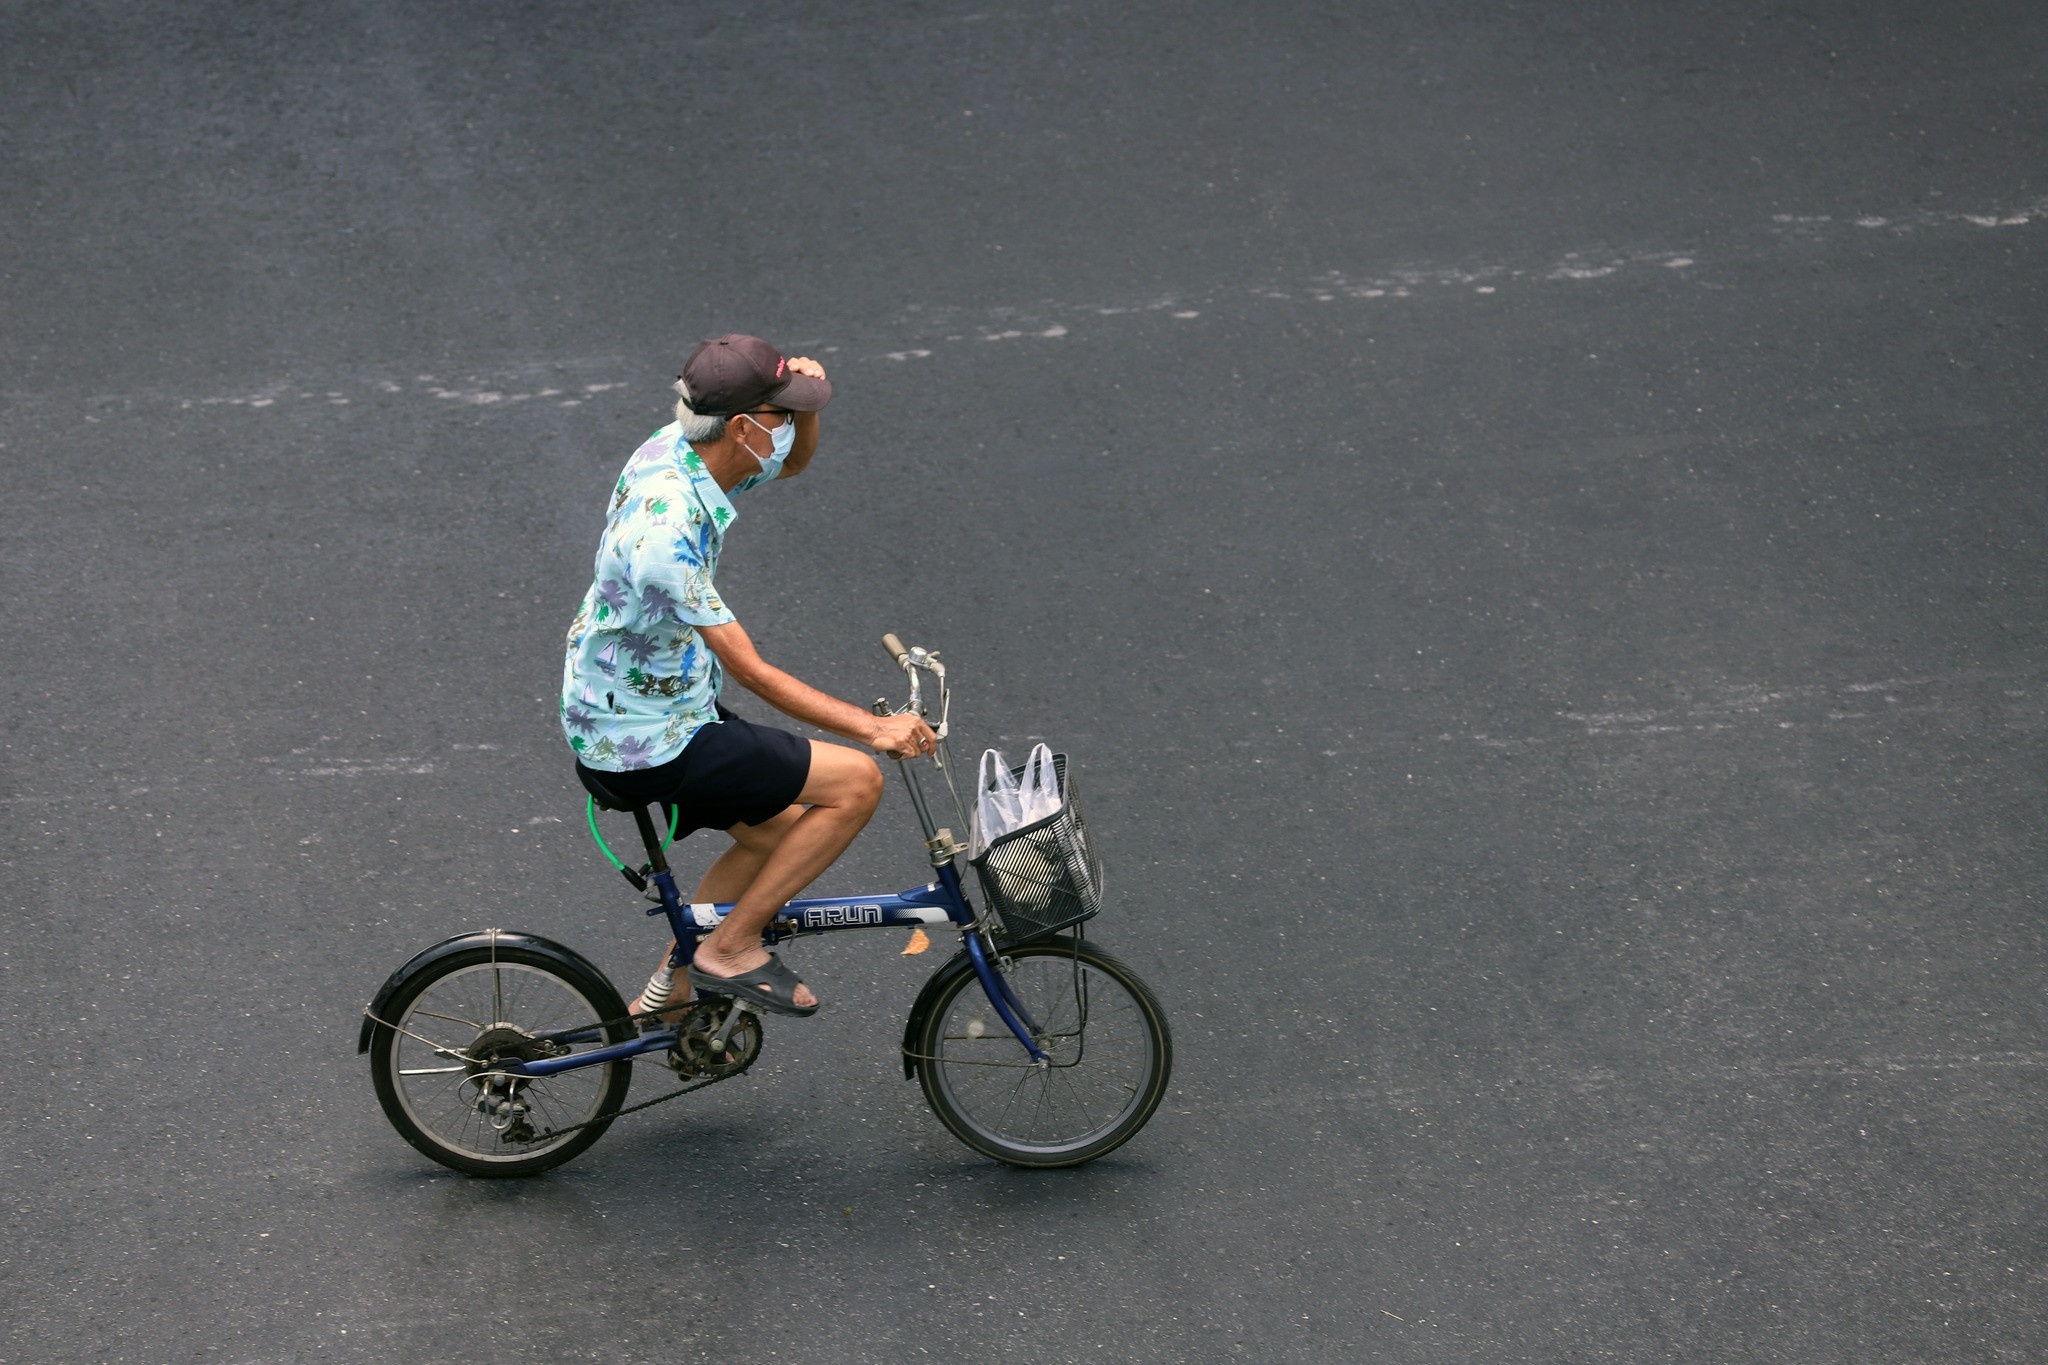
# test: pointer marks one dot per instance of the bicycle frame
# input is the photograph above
(940, 902)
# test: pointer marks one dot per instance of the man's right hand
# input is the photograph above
(903, 736)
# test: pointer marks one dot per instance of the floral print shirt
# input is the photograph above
(637, 681)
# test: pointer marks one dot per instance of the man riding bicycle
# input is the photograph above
(652, 644)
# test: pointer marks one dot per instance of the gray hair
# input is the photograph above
(696, 426)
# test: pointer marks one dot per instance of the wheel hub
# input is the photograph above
(499, 1097)
(502, 1043)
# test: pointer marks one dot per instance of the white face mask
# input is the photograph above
(781, 441)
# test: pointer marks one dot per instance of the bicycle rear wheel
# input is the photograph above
(432, 1050)
(1111, 1056)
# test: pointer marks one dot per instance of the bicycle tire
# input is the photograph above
(550, 990)
(989, 1095)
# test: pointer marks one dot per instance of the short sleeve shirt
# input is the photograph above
(637, 681)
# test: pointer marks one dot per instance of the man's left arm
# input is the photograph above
(806, 423)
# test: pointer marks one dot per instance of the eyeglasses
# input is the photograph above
(786, 416)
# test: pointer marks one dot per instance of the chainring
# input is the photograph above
(692, 1056)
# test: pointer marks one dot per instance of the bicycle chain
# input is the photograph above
(636, 1020)
(635, 1108)
(605, 1027)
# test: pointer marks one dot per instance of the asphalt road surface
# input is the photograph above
(1529, 520)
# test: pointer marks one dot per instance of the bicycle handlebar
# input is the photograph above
(913, 663)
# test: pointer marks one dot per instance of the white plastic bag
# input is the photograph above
(998, 807)
(1038, 794)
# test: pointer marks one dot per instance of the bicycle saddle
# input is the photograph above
(607, 799)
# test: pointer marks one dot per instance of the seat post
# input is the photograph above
(650, 836)
(662, 886)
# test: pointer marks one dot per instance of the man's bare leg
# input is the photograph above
(728, 876)
(842, 792)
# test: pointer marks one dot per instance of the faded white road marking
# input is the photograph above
(318, 764)
(2016, 703)
(358, 767)
(1052, 321)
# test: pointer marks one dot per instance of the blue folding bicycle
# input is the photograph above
(499, 1053)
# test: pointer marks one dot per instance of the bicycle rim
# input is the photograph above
(439, 1093)
(1103, 1034)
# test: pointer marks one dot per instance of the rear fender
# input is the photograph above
(462, 943)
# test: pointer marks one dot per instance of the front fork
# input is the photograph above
(994, 984)
(944, 851)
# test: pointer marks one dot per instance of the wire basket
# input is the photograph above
(1044, 877)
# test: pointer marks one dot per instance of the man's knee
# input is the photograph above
(845, 778)
(867, 781)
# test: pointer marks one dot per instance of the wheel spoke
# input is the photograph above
(1072, 1089)
(1044, 1099)
(1015, 1091)
(449, 1018)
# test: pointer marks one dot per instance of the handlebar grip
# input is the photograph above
(895, 647)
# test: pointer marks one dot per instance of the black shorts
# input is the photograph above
(732, 772)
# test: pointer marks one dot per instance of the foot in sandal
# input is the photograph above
(764, 982)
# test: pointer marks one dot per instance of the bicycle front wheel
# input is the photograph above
(433, 1052)
(1103, 1030)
